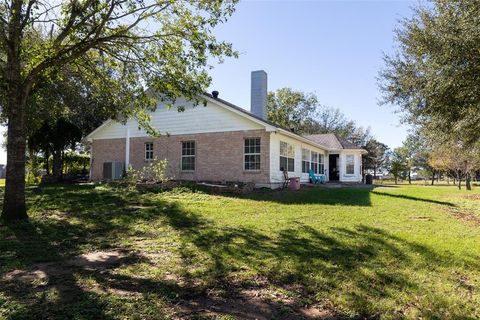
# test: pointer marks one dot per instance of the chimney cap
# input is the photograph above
(215, 94)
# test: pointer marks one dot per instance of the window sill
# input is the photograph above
(187, 171)
(252, 171)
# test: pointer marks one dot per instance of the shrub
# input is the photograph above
(154, 172)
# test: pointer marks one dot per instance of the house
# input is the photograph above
(222, 142)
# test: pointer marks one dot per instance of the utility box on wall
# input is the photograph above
(113, 170)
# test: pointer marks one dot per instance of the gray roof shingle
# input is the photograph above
(332, 141)
(329, 140)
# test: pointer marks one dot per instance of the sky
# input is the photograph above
(331, 48)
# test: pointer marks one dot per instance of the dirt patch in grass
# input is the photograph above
(96, 260)
(250, 304)
(472, 197)
(259, 301)
(464, 216)
(421, 219)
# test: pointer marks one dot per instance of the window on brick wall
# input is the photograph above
(287, 157)
(149, 151)
(188, 155)
(252, 154)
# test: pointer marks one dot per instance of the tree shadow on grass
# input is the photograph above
(347, 196)
(48, 288)
(40, 281)
(406, 197)
(370, 268)
(377, 266)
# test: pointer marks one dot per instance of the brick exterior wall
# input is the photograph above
(105, 151)
(219, 156)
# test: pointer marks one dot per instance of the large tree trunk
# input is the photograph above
(433, 178)
(14, 207)
(409, 177)
(467, 182)
(459, 180)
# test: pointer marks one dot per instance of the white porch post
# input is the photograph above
(127, 149)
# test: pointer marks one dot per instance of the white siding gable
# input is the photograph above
(195, 119)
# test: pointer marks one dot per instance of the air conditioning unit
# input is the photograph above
(113, 170)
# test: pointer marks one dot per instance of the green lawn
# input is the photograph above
(391, 252)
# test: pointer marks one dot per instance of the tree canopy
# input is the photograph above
(434, 76)
(303, 113)
(136, 51)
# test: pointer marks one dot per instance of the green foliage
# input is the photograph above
(377, 157)
(69, 94)
(75, 163)
(398, 164)
(292, 109)
(302, 112)
(433, 78)
(33, 170)
(132, 52)
(54, 138)
(154, 171)
(456, 160)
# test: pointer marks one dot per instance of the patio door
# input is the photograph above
(334, 167)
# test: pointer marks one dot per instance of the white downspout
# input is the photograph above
(91, 162)
(127, 149)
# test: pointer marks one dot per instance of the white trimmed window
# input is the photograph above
(350, 164)
(188, 155)
(305, 160)
(149, 151)
(315, 162)
(252, 154)
(321, 164)
(287, 157)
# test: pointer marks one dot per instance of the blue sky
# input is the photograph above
(331, 48)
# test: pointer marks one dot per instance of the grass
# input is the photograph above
(391, 252)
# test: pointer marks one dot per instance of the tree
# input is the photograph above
(458, 161)
(419, 149)
(397, 164)
(54, 139)
(305, 115)
(433, 78)
(292, 109)
(376, 157)
(108, 42)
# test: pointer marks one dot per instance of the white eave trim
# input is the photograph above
(89, 137)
